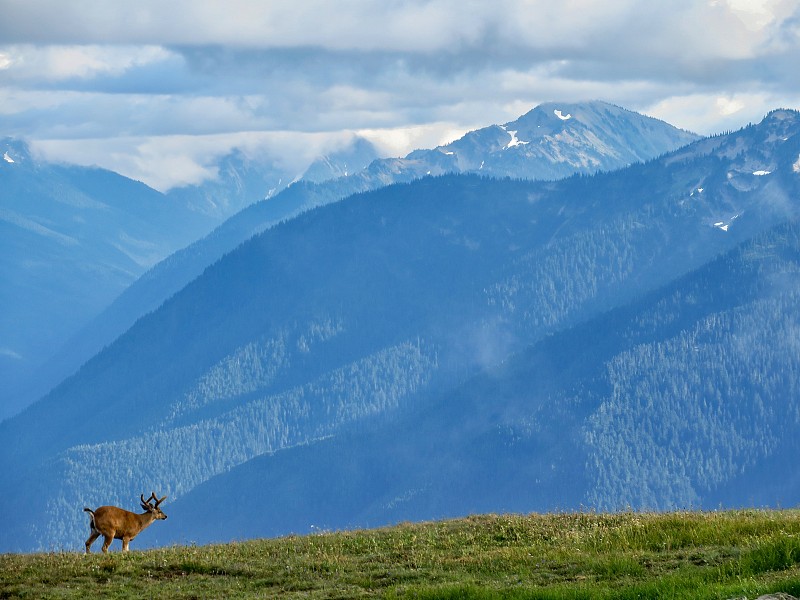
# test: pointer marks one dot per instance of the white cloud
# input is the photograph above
(711, 113)
(756, 14)
(168, 161)
(727, 106)
(59, 62)
(97, 74)
(400, 141)
(407, 25)
(361, 24)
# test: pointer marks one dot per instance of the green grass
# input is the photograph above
(555, 556)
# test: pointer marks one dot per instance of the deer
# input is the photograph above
(119, 524)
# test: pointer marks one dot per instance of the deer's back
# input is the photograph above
(112, 517)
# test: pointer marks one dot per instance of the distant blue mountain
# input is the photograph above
(549, 142)
(75, 238)
(462, 321)
(352, 158)
(241, 180)
(71, 240)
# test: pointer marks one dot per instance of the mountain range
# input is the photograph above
(459, 343)
(74, 238)
(686, 398)
(550, 141)
(71, 240)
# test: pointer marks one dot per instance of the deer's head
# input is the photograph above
(151, 506)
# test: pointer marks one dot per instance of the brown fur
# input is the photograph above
(118, 524)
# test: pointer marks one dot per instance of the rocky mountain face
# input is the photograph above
(553, 141)
(453, 344)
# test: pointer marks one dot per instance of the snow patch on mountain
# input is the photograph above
(272, 191)
(514, 140)
(561, 115)
(697, 191)
(724, 225)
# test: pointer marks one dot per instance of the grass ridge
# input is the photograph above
(724, 554)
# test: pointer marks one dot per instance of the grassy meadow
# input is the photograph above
(731, 554)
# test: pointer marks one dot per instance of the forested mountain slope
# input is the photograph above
(376, 307)
(685, 398)
(542, 144)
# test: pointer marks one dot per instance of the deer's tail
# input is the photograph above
(91, 517)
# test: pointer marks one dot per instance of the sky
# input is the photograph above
(159, 90)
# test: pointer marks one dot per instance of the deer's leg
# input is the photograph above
(125, 542)
(90, 541)
(107, 539)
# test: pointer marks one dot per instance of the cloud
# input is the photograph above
(354, 24)
(715, 113)
(407, 70)
(42, 65)
(173, 160)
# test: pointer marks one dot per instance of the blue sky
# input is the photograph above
(158, 90)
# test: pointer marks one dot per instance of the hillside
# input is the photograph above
(80, 243)
(71, 240)
(684, 398)
(569, 555)
(376, 310)
(597, 136)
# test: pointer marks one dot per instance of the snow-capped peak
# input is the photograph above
(561, 115)
(7, 158)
